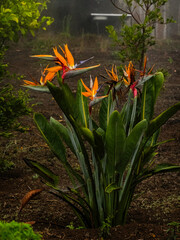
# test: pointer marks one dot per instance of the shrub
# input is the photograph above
(17, 231)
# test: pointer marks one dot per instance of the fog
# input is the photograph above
(75, 17)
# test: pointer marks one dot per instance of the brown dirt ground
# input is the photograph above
(149, 214)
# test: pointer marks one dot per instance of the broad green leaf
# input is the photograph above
(150, 93)
(132, 144)
(54, 141)
(99, 147)
(62, 132)
(51, 136)
(64, 98)
(158, 81)
(115, 138)
(106, 109)
(43, 171)
(82, 106)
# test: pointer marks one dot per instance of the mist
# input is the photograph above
(76, 17)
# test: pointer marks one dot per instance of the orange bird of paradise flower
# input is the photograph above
(92, 93)
(143, 73)
(65, 63)
(113, 73)
(43, 79)
(130, 76)
(129, 73)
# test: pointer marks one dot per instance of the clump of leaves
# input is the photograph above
(12, 106)
(17, 231)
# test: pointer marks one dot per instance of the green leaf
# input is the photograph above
(62, 131)
(115, 138)
(38, 88)
(88, 135)
(160, 120)
(160, 168)
(132, 144)
(54, 141)
(99, 147)
(51, 136)
(150, 93)
(165, 167)
(43, 171)
(14, 18)
(64, 98)
(82, 106)
(106, 109)
(158, 81)
(112, 187)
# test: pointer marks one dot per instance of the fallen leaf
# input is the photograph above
(28, 197)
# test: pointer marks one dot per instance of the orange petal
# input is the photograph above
(95, 86)
(41, 56)
(86, 94)
(87, 89)
(31, 83)
(61, 59)
(49, 76)
(54, 69)
(69, 56)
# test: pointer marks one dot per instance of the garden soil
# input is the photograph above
(158, 203)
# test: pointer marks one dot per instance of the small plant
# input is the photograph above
(71, 226)
(173, 230)
(115, 153)
(17, 231)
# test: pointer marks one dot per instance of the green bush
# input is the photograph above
(12, 106)
(17, 231)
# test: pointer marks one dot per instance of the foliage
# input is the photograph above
(173, 230)
(20, 17)
(134, 41)
(12, 106)
(123, 143)
(17, 231)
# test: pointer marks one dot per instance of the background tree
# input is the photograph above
(134, 41)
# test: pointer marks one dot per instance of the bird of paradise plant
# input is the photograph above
(123, 145)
